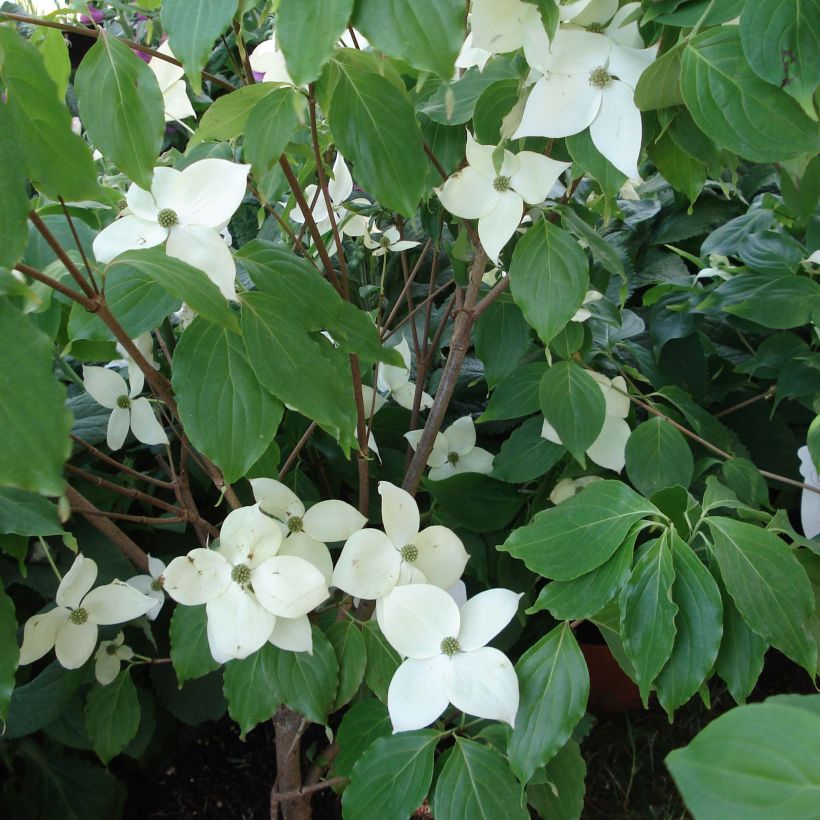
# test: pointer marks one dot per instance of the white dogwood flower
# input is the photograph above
(187, 208)
(172, 85)
(583, 313)
(589, 82)
(266, 59)
(448, 660)
(496, 197)
(110, 390)
(390, 240)
(568, 487)
(454, 451)
(609, 449)
(72, 626)
(395, 381)
(245, 584)
(109, 657)
(810, 501)
(470, 56)
(151, 585)
(145, 344)
(373, 562)
(500, 26)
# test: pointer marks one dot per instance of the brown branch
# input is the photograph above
(291, 460)
(60, 251)
(147, 520)
(407, 282)
(387, 334)
(119, 466)
(79, 245)
(283, 797)
(765, 396)
(130, 492)
(54, 285)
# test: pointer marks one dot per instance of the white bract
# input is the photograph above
(589, 82)
(145, 344)
(151, 585)
(187, 208)
(500, 26)
(267, 60)
(373, 562)
(496, 197)
(110, 390)
(245, 584)
(390, 240)
(372, 403)
(109, 657)
(172, 85)
(470, 56)
(583, 313)
(448, 660)
(608, 450)
(454, 451)
(568, 487)
(72, 626)
(395, 381)
(810, 501)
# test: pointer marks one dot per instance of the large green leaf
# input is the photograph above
(648, 612)
(363, 723)
(554, 684)
(549, 275)
(427, 34)
(698, 628)
(476, 502)
(574, 538)
(41, 700)
(562, 795)
(190, 652)
(226, 118)
(573, 403)
(9, 652)
(683, 172)
(308, 31)
(735, 107)
(768, 585)
(192, 27)
(351, 655)
(753, 763)
(501, 337)
(23, 513)
(13, 193)
(121, 107)
(252, 687)
(657, 456)
(476, 782)
(659, 85)
(408, 759)
(33, 419)
(112, 716)
(271, 124)
(517, 395)
(372, 120)
(382, 660)
(526, 455)
(589, 159)
(227, 414)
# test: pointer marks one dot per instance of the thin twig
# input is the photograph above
(79, 245)
(117, 465)
(148, 520)
(765, 396)
(284, 797)
(291, 460)
(130, 492)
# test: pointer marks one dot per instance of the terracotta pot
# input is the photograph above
(611, 690)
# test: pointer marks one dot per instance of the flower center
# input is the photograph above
(449, 647)
(452, 458)
(295, 524)
(409, 553)
(111, 649)
(123, 402)
(167, 218)
(595, 28)
(600, 77)
(501, 183)
(157, 584)
(385, 242)
(79, 616)
(241, 574)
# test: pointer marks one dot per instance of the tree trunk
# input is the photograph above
(288, 768)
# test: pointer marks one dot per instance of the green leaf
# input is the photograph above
(41, 700)
(252, 687)
(190, 652)
(698, 628)
(227, 414)
(57, 161)
(227, 117)
(53, 48)
(271, 124)
(351, 656)
(548, 11)
(585, 596)
(427, 35)
(517, 395)
(554, 685)
(476, 502)
(408, 759)
(574, 538)
(683, 172)
(501, 337)
(112, 715)
(736, 108)
(192, 27)
(27, 514)
(657, 456)
(648, 612)
(602, 252)
(549, 275)
(590, 160)
(476, 782)
(755, 762)
(290, 364)
(813, 442)
(182, 281)
(33, 418)
(494, 104)
(745, 479)
(573, 403)
(308, 683)
(768, 585)
(382, 660)
(374, 125)
(13, 193)
(363, 723)
(525, 455)
(121, 107)
(659, 85)
(9, 652)
(781, 44)
(562, 796)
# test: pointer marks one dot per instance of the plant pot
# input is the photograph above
(611, 690)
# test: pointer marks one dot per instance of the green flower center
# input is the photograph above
(79, 616)
(295, 524)
(501, 183)
(409, 553)
(241, 574)
(595, 28)
(157, 584)
(111, 649)
(123, 402)
(385, 241)
(449, 647)
(452, 458)
(600, 77)
(167, 218)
